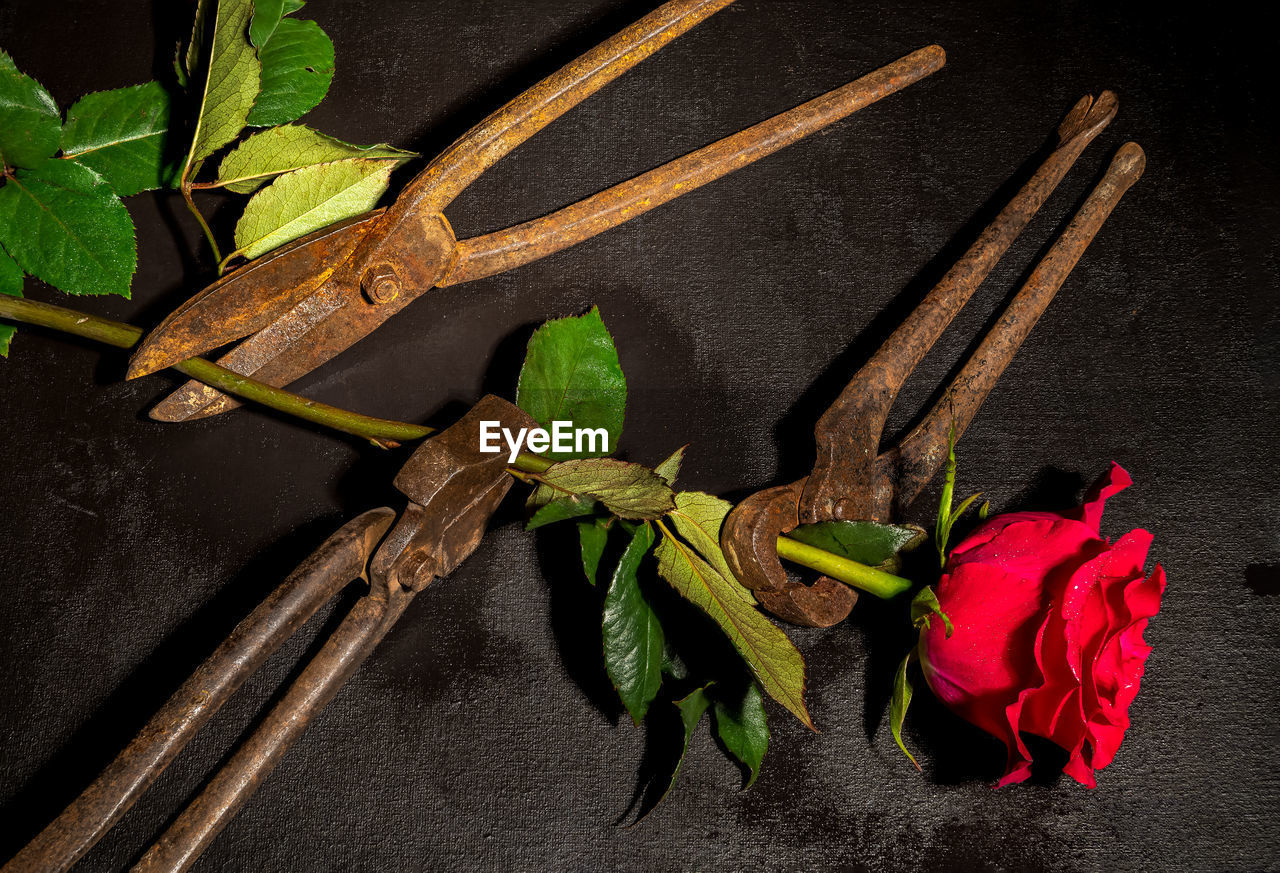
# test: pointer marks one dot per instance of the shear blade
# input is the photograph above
(249, 299)
(329, 320)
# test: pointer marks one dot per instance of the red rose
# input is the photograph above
(1048, 621)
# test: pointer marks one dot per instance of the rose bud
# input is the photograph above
(1048, 620)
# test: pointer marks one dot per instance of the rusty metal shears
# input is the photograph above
(453, 489)
(314, 298)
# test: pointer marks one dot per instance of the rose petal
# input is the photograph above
(979, 671)
(1121, 664)
(1032, 548)
(1111, 483)
(991, 528)
(1049, 621)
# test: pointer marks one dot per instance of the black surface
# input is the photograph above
(479, 736)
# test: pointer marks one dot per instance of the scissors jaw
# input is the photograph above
(749, 539)
(250, 298)
(306, 326)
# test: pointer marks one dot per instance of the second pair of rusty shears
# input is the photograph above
(317, 296)
(854, 477)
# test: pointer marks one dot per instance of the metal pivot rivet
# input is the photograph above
(381, 284)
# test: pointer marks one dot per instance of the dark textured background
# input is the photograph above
(481, 736)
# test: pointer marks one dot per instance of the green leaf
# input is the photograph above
(266, 17)
(560, 509)
(744, 729)
(292, 6)
(691, 707)
(698, 518)
(669, 469)
(593, 534)
(984, 510)
(121, 136)
(232, 81)
(11, 284)
(571, 373)
(64, 225)
(867, 542)
(773, 659)
(10, 275)
(539, 497)
(270, 153)
(188, 59)
(943, 528)
(962, 509)
(632, 635)
(30, 123)
(925, 604)
(672, 664)
(297, 67)
(627, 490)
(308, 199)
(898, 705)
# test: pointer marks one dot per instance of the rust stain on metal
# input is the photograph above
(453, 490)
(852, 479)
(379, 264)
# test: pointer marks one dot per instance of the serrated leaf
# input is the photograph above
(308, 199)
(540, 496)
(231, 84)
(30, 123)
(691, 708)
(898, 706)
(669, 469)
(64, 225)
(773, 659)
(190, 57)
(559, 509)
(627, 490)
(121, 136)
(297, 67)
(744, 729)
(632, 636)
(593, 536)
(270, 153)
(266, 17)
(698, 518)
(11, 284)
(867, 542)
(925, 604)
(571, 373)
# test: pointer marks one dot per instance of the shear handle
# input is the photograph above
(340, 559)
(453, 489)
(501, 132)
(381, 252)
(506, 249)
(211, 811)
(849, 432)
(915, 461)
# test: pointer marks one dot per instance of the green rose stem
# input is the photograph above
(869, 579)
(382, 432)
(204, 225)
